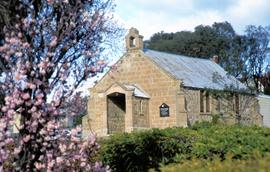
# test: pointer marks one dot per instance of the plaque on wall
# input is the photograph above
(164, 110)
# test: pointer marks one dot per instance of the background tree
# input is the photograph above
(48, 54)
(243, 56)
(257, 52)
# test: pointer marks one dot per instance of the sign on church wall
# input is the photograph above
(164, 110)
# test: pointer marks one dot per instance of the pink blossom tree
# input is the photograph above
(56, 46)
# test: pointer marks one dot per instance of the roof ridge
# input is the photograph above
(197, 58)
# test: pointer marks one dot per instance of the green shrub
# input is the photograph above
(140, 151)
(257, 163)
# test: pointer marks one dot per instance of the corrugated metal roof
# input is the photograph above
(195, 72)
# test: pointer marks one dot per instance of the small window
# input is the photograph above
(132, 42)
(237, 108)
(186, 104)
(201, 101)
(207, 102)
(219, 104)
(141, 107)
(204, 102)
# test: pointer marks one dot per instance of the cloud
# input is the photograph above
(220, 5)
(151, 16)
(248, 12)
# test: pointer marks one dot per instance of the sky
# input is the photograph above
(152, 16)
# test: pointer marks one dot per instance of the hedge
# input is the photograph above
(140, 151)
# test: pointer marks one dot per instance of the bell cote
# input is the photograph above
(134, 41)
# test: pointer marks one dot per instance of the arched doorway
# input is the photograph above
(116, 110)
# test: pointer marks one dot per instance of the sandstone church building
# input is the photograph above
(151, 89)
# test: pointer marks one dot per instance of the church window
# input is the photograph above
(201, 101)
(204, 102)
(237, 103)
(141, 107)
(207, 102)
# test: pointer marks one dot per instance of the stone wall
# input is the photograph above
(223, 104)
(192, 106)
(136, 68)
(140, 113)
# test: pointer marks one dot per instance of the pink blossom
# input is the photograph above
(4, 109)
(100, 62)
(39, 102)
(34, 124)
(53, 42)
(42, 121)
(17, 150)
(20, 34)
(18, 101)
(40, 96)
(18, 76)
(25, 96)
(8, 98)
(27, 87)
(13, 41)
(10, 113)
(42, 64)
(9, 141)
(31, 86)
(26, 138)
(7, 57)
(33, 109)
(93, 69)
(43, 71)
(18, 54)
(50, 1)
(59, 160)
(39, 166)
(62, 148)
(26, 45)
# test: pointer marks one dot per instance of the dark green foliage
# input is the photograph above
(143, 150)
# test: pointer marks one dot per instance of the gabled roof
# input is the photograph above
(137, 92)
(195, 72)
